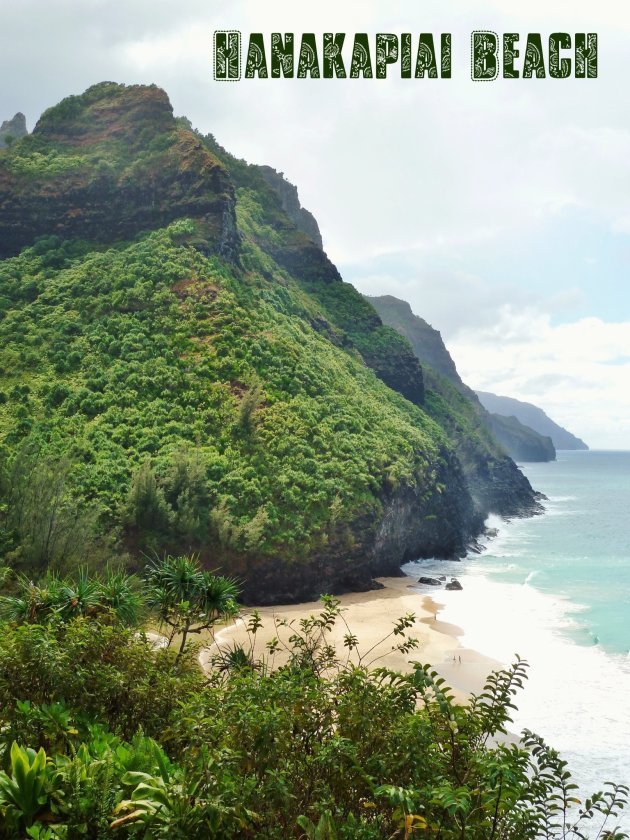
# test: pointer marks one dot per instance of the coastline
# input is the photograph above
(501, 613)
(370, 616)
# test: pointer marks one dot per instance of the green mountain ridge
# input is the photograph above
(190, 367)
(532, 416)
(521, 442)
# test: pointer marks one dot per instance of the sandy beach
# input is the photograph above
(370, 616)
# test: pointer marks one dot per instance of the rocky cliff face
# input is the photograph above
(288, 193)
(426, 341)
(108, 165)
(412, 524)
(12, 130)
(519, 441)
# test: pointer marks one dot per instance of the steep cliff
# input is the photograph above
(300, 216)
(520, 442)
(426, 341)
(343, 314)
(532, 416)
(193, 366)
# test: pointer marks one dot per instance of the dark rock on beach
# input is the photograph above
(454, 585)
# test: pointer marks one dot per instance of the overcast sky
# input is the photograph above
(500, 211)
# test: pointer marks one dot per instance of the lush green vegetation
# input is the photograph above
(157, 398)
(176, 401)
(102, 734)
(123, 145)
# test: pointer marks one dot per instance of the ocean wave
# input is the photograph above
(571, 689)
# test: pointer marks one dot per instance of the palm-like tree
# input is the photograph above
(187, 598)
(66, 598)
(120, 593)
(32, 603)
(78, 598)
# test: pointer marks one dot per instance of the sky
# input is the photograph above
(500, 211)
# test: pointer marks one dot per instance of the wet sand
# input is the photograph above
(370, 616)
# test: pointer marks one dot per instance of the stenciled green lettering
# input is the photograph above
(227, 56)
(586, 58)
(485, 56)
(534, 59)
(256, 57)
(425, 60)
(361, 58)
(559, 68)
(510, 54)
(281, 55)
(386, 53)
(308, 62)
(447, 54)
(405, 55)
(333, 61)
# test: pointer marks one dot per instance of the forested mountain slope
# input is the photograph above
(182, 368)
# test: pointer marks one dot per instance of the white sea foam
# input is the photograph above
(576, 696)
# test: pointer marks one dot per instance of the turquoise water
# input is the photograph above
(555, 589)
(581, 548)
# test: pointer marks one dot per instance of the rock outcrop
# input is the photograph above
(12, 130)
(300, 216)
(454, 585)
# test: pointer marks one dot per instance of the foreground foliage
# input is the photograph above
(104, 735)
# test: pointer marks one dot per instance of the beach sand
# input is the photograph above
(370, 616)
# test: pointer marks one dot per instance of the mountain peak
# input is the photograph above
(109, 164)
(12, 130)
(107, 111)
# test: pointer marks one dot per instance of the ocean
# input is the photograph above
(555, 589)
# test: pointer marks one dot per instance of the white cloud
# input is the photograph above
(577, 372)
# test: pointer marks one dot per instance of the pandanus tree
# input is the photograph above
(187, 598)
(65, 598)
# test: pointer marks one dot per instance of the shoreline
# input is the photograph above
(371, 616)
